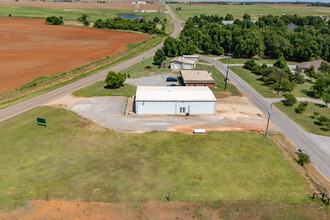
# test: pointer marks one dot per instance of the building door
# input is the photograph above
(182, 110)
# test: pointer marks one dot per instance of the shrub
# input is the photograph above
(114, 80)
(323, 120)
(290, 99)
(303, 158)
(316, 114)
(250, 64)
(302, 107)
(53, 20)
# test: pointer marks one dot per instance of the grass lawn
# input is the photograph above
(306, 120)
(301, 90)
(242, 61)
(219, 80)
(253, 10)
(136, 71)
(98, 89)
(94, 14)
(74, 159)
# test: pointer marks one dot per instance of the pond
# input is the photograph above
(130, 16)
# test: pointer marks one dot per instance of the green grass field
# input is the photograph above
(307, 120)
(72, 14)
(261, 61)
(75, 159)
(301, 90)
(254, 10)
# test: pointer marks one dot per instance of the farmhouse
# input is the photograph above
(197, 78)
(179, 63)
(303, 67)
(179, 100)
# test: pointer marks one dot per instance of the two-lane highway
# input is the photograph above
(60, 92)
(318, 147)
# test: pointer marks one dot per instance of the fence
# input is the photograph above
(323, 196)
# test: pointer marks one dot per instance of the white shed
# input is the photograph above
(178, 100)
(179, 63)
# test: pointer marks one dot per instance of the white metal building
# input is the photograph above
(179, 63)
(178, 100)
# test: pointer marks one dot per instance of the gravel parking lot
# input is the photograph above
(156, 80)
(109, 112)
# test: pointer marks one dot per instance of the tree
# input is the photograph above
(290, 99)
(323, 120)
(114, 80)
(324, 68)
(301, 107)
(159, 57)
(229, 17)
(303, 158)
(250, 64)
(156, 19)
(54, 20)
(311, 72)
(321, 87)
(246, 17)
(84, 19)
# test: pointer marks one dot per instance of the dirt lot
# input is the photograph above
(165, 210)
(116, 4)
(30, 48)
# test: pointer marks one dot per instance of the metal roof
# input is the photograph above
(196, 76)
(183, 60)
(175, 93)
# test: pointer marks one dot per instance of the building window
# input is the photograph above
(182, 110)
(204, 84)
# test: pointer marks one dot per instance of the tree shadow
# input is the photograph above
(324, 129)
(308, 93)
(110, 87)
(321, 105)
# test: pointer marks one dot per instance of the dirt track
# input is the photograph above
(30, 48)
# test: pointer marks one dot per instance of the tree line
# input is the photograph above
(267, 37)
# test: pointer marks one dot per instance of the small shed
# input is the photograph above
(164, 64)
(178, 100)
(197, 78)
(179, 63)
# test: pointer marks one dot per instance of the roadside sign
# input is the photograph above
(41, 122)
(143, 58)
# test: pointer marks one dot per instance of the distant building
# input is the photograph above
(178, 100)
(179, 63)
(292, 26)
(227, 22)
(139, 3)
(197, 78)
(302, 67)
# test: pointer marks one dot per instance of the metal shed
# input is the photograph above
(179, 100)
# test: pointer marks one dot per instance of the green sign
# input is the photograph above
(41, 121)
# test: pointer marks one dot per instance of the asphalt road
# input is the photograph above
(318, 147)
(55, 94)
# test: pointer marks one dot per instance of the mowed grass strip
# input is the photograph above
(307, 120)
(75, 159)
(242, 61)
(73, 14)
(253, 10)
(266, 90)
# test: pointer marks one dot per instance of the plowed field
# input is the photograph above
(30, 48)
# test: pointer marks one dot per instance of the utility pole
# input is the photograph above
(279, 84)
(226, 79)
(229, 53)
(269, 113)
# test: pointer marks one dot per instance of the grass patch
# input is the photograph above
(306, 120)
(99, 89)
(264, 89)
(73, 159)
(242, 61)
(94, 14)
(45, 84)
(219, 80)
(253, 10)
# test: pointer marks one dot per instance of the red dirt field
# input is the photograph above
(39, 210)
(109, 5)
(30, 48)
